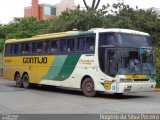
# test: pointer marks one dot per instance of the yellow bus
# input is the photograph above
(107, 60)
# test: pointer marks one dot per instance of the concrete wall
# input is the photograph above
(63, 5)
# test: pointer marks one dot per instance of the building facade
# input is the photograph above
(46, 11)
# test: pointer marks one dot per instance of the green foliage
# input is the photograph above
(79, 19)
(1, 45)
(157, 52)
(23, 28)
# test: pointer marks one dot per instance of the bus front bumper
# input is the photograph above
(136, 87)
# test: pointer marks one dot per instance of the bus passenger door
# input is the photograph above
(110, 65)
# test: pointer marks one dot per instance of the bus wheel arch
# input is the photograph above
(87, 86)
(25, 80)
(18, 79)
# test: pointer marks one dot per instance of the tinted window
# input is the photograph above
(46, 46)
(132, 40)
(33, 47)
(54, 46)
(81, 44)
(63, 45)
(21, 47)
(17, 48)
(12, 49)
(39, 48)
(7, 49)
(90, 44)
(86, 44)
(106, 39)
(26, 48)
(70, 45)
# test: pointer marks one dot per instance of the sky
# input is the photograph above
(15, 8)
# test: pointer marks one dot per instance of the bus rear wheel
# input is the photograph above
(88, 87)
(25, 80)
(18, 80)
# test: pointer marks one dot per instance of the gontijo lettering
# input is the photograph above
(35, 60)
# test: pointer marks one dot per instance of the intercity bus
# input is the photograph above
(98, 60)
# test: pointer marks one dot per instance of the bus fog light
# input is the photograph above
(127, 87)
(153, 86)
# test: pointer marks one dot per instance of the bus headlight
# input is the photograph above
(125, 80)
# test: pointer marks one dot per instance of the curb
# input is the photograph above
(157, 90)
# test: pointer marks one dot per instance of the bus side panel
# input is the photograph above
(35, 68)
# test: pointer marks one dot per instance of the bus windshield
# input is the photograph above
(136, 61)
(123, 53)
(132, 40)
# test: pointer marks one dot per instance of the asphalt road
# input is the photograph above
(40, 100)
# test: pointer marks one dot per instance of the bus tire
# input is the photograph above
(88, 87)
(25, 80)
(18, 80)
(118, 94)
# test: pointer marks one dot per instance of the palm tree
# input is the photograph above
(94, 4)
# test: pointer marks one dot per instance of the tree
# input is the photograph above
(94, 4)
(79, 19)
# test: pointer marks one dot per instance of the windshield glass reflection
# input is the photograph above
(137, 61)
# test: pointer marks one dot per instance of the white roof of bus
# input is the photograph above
(118, 30)
(70, 33)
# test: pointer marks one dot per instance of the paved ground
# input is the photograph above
(58, 100)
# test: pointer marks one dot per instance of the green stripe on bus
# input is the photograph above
(62, 67)
(56, 67)
(68, 67)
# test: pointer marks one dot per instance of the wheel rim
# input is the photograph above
(89, 87)
(25, 81)
(18, 81)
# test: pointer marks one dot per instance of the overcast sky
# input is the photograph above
(15, 8)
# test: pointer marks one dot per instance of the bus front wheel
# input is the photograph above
(25, 80)
(18, 80)
(88, 87)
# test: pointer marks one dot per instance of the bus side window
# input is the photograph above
(70, 45)
(106, 39)
(63, 45)
(39, 47)
(90, 44)
(16, 49)
(33, 49)
(12, 49)
(7, 49)
(26, 48)
(54, 46)
(80, 44)
(21, 48)
(46, 46)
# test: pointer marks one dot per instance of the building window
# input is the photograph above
(49, 10)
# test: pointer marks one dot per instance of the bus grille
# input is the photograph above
(141, 79)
